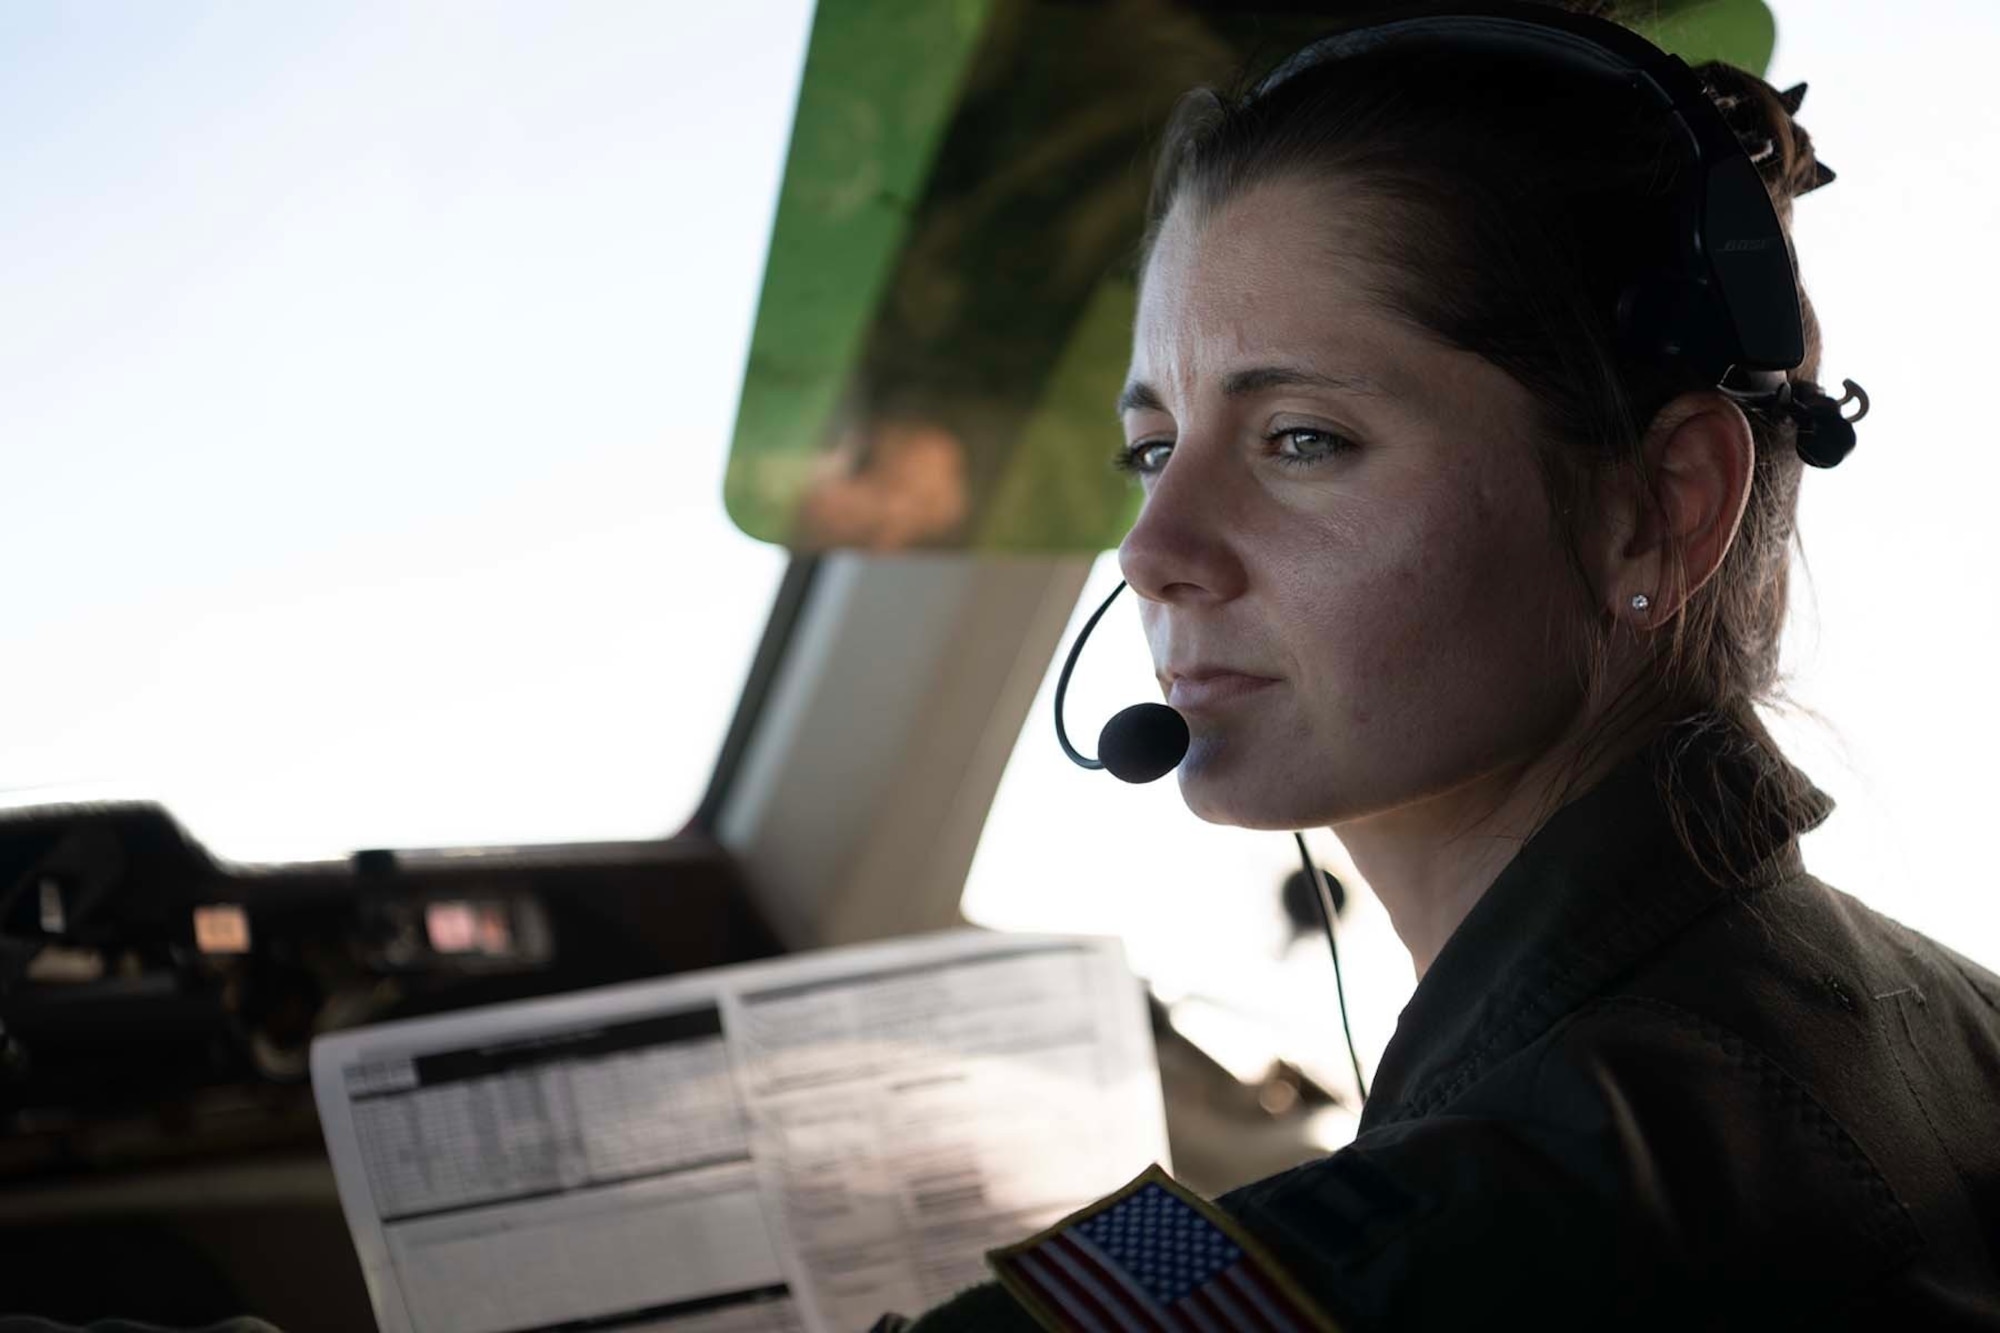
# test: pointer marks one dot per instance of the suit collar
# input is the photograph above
(1601, 886)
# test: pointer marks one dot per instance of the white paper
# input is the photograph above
(799, 1144)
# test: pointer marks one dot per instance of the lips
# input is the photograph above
(1208, 688)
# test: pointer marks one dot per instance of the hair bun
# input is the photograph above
(1762, 118)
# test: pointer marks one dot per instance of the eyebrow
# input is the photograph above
(1256, 379)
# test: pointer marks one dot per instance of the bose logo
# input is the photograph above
(1738, 247)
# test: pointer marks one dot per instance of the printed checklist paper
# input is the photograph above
(799, 1144)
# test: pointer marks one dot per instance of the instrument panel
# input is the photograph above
(144, 981)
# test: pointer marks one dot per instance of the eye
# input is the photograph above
(1143, 457)
(1303, 446)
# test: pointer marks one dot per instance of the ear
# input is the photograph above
(1669, 529)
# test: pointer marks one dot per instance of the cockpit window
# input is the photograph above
(366, 381)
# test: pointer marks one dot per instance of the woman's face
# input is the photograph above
(1344, 517)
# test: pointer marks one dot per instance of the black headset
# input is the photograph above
(1730, 311)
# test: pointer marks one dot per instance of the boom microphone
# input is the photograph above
(1148, 741)
(1140, 743)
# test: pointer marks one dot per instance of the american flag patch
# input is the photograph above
(1153, 1258)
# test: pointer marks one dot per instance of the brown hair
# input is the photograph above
(1525, 198)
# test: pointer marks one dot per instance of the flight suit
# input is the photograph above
(1629, 1095)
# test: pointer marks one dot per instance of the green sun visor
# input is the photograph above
(947, 303)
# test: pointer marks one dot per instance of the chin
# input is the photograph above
(1220, 789)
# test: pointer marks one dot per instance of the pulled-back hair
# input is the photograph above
(1520, 198)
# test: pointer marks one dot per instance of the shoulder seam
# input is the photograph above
(1972, 982)
(1893, 1227)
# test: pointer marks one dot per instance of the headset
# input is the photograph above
(1728, 310)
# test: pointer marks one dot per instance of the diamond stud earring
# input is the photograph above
(1640, 601)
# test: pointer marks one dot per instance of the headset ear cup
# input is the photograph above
(1653, 316)
(1756, 288)
(1668, 317)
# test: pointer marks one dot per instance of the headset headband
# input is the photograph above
(1734, 304)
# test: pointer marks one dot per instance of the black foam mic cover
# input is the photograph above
(1143, 742)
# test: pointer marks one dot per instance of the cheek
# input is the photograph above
(1445, 609)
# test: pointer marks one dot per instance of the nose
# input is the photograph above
(1183, 548)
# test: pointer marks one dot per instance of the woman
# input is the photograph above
(1451, 542)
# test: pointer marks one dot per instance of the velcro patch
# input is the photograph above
(1154, 1258)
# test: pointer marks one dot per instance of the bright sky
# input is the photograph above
(1895, 630)
(366, 373)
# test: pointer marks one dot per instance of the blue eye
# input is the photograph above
(1311, 445)
(1308, 446)
(1143, 458)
